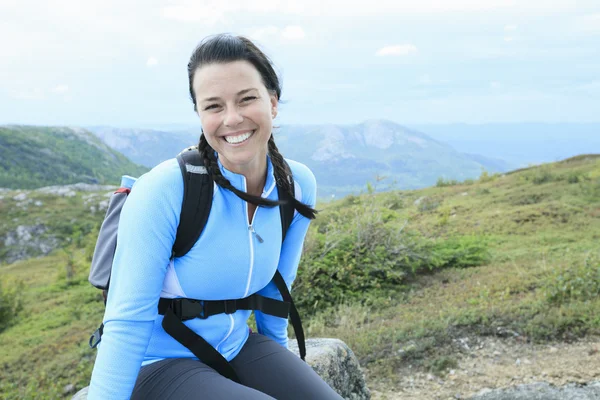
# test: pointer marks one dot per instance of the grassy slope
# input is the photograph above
(32, 157)
(537, 224)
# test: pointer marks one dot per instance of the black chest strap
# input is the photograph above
(186, 309)
(176, 311)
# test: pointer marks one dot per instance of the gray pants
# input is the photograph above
(265, 369)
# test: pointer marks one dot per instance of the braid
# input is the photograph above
(282, 173)
(212, 166)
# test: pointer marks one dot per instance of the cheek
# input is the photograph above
(209, 122)
(262, 112)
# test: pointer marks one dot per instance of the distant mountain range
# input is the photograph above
(519, 144)
(343, 157)
(33, 157)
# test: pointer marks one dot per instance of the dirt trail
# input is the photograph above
(496, 363)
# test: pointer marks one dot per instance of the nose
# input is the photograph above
(232, 117)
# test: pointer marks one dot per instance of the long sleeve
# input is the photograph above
(291, 250)
(147, 230)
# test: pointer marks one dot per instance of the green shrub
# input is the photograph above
(580, 282)
(486, 177)
(574, 177)
(11, 301)
(441, 182)
(540, 175)
(355, 252)
(364, 253)
(428, 204)
(440, 365)
(459, 252)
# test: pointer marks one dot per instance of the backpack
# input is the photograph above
(195, 209)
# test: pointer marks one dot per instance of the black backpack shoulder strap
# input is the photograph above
(286, 210)
(197, 200)
(287, 214)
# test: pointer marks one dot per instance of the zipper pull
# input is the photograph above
(251, 229)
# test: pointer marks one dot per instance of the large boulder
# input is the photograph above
(542, 391)
(332, 359)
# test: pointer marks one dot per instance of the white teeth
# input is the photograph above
(239, 138)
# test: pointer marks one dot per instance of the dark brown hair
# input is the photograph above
(226, 48)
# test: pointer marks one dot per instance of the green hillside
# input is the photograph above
(398, 276)
(33, 157)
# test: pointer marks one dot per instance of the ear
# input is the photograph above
(274, 103)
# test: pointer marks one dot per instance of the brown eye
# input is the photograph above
(248, 98)
(209, 107)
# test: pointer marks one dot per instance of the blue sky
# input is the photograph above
(123, 63)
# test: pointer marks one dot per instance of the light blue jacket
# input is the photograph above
(227, 262)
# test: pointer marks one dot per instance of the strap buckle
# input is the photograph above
(177, 308)
(202, 314)
(96, 337)
(186, 309)
(230, 306)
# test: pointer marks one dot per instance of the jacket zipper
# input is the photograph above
(251, 232)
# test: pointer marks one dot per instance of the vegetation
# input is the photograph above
(398, 276)
(33, 157)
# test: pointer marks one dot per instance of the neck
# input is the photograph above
(255, 181)
(255, 174)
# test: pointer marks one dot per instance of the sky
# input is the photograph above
(123, 63)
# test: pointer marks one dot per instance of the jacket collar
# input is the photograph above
(239, 181)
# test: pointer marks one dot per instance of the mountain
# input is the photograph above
(519, 144)
(343, 157)
(33, 157)
(147, 147)
(490, 163)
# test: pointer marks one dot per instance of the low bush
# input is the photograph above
(579, 282)
(11, 301)
(366, 252)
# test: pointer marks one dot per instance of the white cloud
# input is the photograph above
(510, 28)
(398, 50)
(215, 10)
(211, 11)
(151, 62)
(61, 89)
(29, 94)
(264, 32)
(425, 80)
(196, 12)
(509, 39)
(589, 23)
(293, 33)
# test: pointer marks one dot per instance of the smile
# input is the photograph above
(238, 138)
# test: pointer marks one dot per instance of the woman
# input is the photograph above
(235, 92)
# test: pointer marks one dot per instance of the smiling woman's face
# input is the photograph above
(236, 112)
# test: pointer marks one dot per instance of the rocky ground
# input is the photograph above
(490, 363)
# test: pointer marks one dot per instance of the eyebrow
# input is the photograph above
(241, 92)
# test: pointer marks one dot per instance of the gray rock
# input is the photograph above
(20, 197)
(70, 388)
(28, 241)
(419, 200)
(542, 391)
(69, 190)
(335, 362)
(332, 359)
